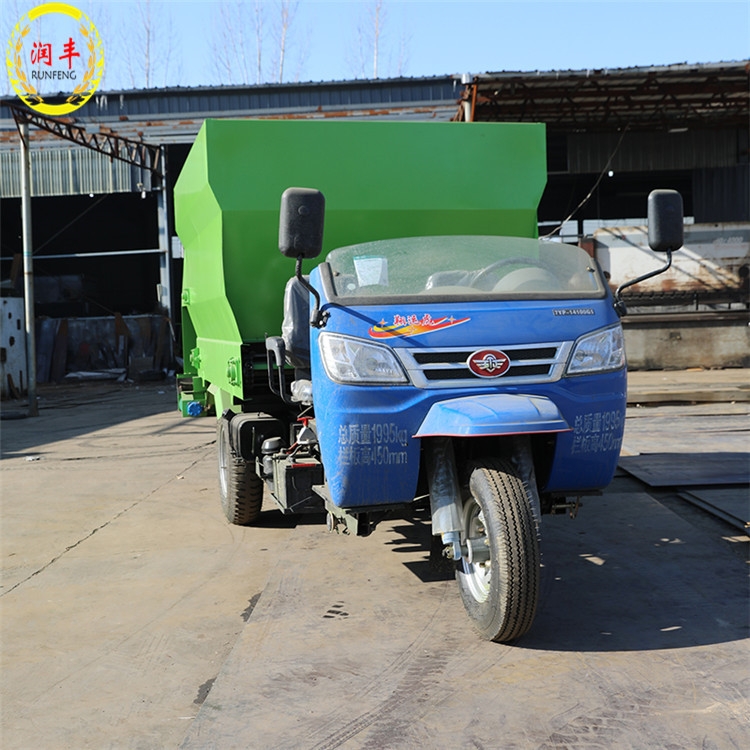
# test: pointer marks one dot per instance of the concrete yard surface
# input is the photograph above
(632, 647)
(123, 588)
(133, 616)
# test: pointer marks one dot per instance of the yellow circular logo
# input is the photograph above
(55, 50)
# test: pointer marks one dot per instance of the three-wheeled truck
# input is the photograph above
(440, 353)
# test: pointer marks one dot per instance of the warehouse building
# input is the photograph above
(103, 228)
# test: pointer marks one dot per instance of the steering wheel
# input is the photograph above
(485, 272)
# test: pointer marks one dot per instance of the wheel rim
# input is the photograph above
(478, 574)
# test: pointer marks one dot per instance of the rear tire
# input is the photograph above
(240, 488)
(500, 593)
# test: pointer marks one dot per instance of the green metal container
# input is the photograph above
(381, 180)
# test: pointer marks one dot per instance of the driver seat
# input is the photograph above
(295, 328)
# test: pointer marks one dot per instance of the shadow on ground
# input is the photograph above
(626, 575)
(64, 412)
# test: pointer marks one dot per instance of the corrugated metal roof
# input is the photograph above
(642, 98)
(175, 115)
(341, 95)
(70, 171)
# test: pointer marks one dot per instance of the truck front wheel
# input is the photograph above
(498, 576)
(240, 488)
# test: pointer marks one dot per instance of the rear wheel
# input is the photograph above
(498, 577)
(240, 488)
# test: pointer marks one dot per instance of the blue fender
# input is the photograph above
(492, 414)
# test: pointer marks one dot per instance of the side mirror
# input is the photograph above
(665, 221)
(301, 237)
(301, 223)
(665, 235)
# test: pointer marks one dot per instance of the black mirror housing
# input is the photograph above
(665, 235)
(301, 223)
(665, 221)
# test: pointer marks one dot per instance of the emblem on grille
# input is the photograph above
(488, 363)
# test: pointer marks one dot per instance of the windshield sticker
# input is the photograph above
(371, 271)
(574, 311)
(413, 325)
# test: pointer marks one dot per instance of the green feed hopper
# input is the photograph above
(381, 180)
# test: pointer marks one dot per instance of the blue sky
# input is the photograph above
(458, 37)
(418, 38)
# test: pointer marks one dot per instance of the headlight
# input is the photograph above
(601, 351)
(349, 360)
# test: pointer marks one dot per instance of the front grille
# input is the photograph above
(439, 356)
(447, 368)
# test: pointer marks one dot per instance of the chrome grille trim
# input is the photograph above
(429, 367)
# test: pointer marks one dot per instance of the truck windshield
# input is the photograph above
(463, 267)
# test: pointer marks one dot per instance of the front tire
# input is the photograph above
(499, 580)
(240, 488)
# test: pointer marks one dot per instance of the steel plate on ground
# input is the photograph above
(733, 505)
(688, 470)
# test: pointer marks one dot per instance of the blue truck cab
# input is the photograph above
(485, 373)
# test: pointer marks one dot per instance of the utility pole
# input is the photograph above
(28, 268)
